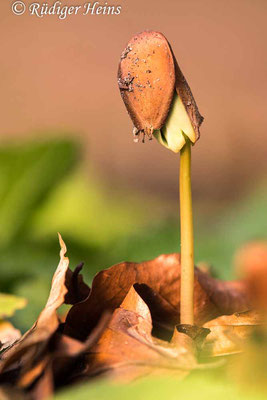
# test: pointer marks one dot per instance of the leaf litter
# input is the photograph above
(127, 326)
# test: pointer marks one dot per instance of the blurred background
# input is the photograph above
(67, 159)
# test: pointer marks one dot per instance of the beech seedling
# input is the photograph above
(160, 104)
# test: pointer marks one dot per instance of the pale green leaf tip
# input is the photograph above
(173, 142)
(177, 128)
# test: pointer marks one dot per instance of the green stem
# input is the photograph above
(187, 238)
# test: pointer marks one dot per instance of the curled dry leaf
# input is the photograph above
(48, 318)
(158, 283)
(9, 393)
(68, 356)
(228, 333)
(44, 357)
(27, 352)
(8, 334)
(78, 290)
(44, 388)
(128, 350)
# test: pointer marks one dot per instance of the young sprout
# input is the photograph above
(160, 103)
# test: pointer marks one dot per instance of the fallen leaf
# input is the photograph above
(48, 318)
(8, 334)
(228, 296)
(35, 342)
(33, 373)
(78, 290)
(11, 393)
(228, 333)
(44, 356)
(128, 350)
(158, 282)
(68, 354)
(44, 388)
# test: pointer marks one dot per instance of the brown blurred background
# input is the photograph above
(61, 75)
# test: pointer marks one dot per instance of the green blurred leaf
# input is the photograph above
(193, 388)
(28, 173)
(9, 304)
(82, 209)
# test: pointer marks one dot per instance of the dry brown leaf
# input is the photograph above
(228, 333)
(159, 285)
(11, 393)
(67, 357)
(33, 373)
(48, 318)
(8, 334)
(44, 356)
(78, 290)
(44, 387)
(128, 350)
(28, 351)
(56, 364)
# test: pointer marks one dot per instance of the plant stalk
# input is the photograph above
(187, 238)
